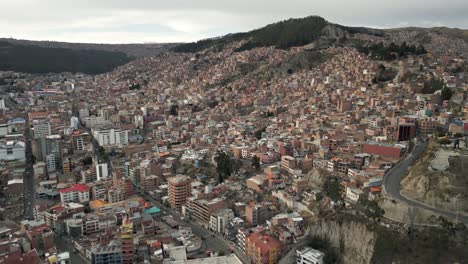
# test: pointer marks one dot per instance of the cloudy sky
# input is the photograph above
(137, 21)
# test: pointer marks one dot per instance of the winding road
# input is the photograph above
(391, 184)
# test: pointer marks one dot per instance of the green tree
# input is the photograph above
(333, 189)
(174, 110)
(224, 165)
(256, 162)
(258, 133)
(446, 93)
(433, 85)
(372, 208)
(87, 161)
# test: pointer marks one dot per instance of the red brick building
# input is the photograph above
(382, 150)
(263, 249)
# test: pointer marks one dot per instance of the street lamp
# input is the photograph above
(456, 207)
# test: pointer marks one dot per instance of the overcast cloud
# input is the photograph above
(136, 21)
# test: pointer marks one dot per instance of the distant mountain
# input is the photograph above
(35, 59)
(50, 56)
(284, 34)
(132, 50)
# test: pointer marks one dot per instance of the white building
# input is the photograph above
(139, 121)
(41, 129)
(2, 103)
(353, 194)
(13, 151)
(111, 137)
(220, 218)
(51, 164)
(309, 255)
(102, 171)
(74, 122)
(77, 193)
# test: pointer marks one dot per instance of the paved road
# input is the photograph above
(28, 177)
(391, 183)
(64, 243)
(212, 241)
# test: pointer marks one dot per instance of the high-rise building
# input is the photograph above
(126, 237)
(102, 171)
(202, 209)
(41, 128)
(179, 190)
(53, 147)
(257, 213)
(74, 122)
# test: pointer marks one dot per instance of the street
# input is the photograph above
(28, 176)
(65, 244)
(391, 183)
(212, 241)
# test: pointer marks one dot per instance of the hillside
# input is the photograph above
(356, 241)
(35, 59)
(438, 178)
(132, 50)
(284, 34)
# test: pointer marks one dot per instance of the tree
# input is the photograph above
(101, 150)
(258, 133)
(446, 93)
(256, 162)
(174, 110)
(433, 85)
(444, 141)
(87, 161)
(372, 208)
(224, 165)
(333, 189)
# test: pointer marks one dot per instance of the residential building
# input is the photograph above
(77, 193)
(179, 190)
(41, 128)
(111, 137)
(102, 171)
(202, 209)
(13, 151)
(263, 249)
(220, 218)
(309, 255)
(257, 213)
(108, 254)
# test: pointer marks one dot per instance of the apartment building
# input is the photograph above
(257, 213)
(179, 190)
(263, 249)
(77, 193)
(111, 137)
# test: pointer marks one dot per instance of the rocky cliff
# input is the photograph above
(353, 240)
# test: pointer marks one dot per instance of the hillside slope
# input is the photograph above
(437, 178)
(284, 34)
(35, 59)
(132, 50)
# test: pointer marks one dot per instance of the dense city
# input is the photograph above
(227, 156)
